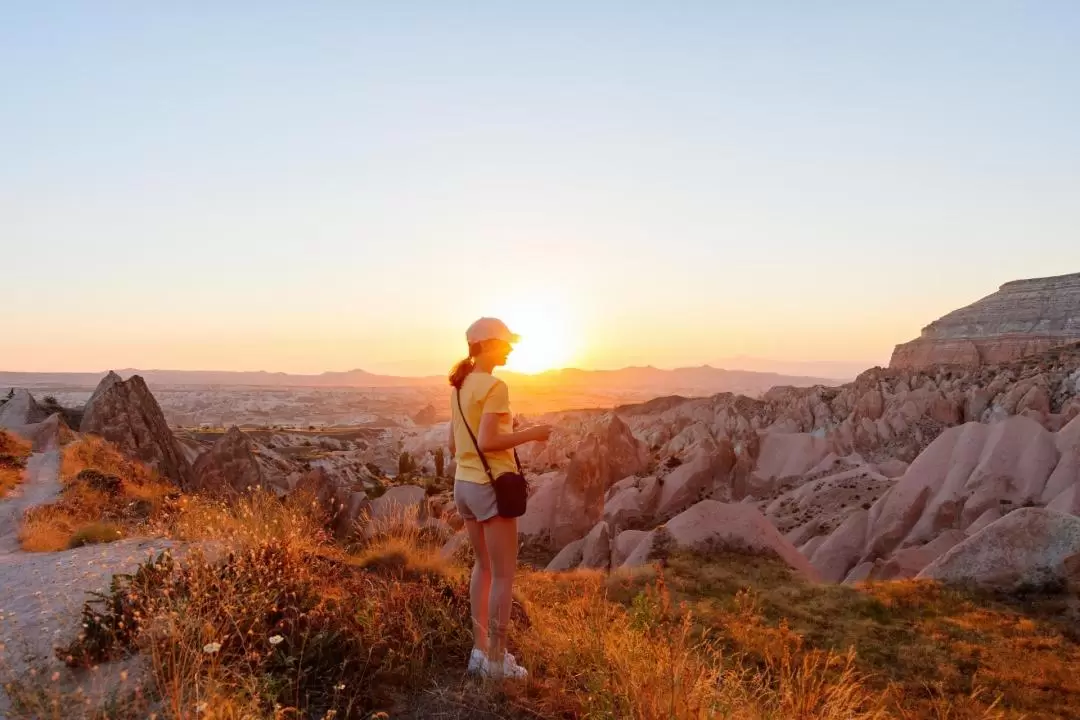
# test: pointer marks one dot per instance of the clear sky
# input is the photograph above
(315, 186)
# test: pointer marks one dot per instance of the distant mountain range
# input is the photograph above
(697, 380)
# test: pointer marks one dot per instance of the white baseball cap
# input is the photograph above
(490, 329)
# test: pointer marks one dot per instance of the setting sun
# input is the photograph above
(547, 339)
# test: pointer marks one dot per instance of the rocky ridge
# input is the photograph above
(874, 479)
(1022, 318)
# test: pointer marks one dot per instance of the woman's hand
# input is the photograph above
(491, 440)
(539, 433)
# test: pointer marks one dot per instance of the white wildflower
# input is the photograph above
(211, 647)
(275, 639)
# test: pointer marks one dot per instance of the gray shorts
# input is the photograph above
(475, 501)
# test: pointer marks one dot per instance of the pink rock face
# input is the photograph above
(788, 455)
(633, 505)
(840, 551)
(1029, 546)
(596, 549)
(693, 480)
(965, 472)
(711, 524)
(1022, 318)
(625, 544)
(555, 514)
(908, 562)
(568, 558)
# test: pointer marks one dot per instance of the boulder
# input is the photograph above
(596, 550)
(20, 409)
(1029, 547)
(568, 558)
(400, 501)
(126, 414)
(711, 524)
(236, 464)
(454, 545)
(644, 548)
(908, 562)
(625, 544)
(555, 515)
(633, 505)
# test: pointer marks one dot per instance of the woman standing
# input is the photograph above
(482, 441)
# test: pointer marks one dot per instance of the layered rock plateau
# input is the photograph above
(1022, 318)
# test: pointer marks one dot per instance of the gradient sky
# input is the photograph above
(321, 186)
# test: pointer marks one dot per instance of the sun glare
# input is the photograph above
(546, 339)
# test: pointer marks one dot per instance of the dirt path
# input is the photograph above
(42, 594)
(42, 486)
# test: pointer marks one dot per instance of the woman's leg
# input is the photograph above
(500, 534)
(480, 584)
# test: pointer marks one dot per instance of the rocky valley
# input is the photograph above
(944, 476)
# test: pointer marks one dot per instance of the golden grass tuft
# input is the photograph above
(105, 496)
(14, 452)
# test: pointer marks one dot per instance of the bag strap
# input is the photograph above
(476, 445)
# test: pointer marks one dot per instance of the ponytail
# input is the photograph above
(465, 367)
(461, 371)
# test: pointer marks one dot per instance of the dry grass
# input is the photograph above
(105, 496)
(937, 652)
(13, 454)
(288, 625)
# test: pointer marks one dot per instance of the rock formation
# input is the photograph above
(1022, 318)
(873, 479)
(964, 482)
(567, 505)
(126, 414)
(1029, 547)
(711, 525)
(235, 464)
(19, 410)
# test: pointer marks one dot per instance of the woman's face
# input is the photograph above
(497, 351)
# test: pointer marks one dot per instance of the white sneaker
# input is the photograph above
(477, 661)
(508, 668)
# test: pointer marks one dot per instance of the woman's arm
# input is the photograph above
(492, 440)
(450, 441)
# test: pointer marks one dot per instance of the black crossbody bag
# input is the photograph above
(511, 488)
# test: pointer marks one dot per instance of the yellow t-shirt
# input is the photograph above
(481, 393)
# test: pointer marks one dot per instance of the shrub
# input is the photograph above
(406, 464)
(13, 454)
(95, 533)
(101, 486)
(272, 628)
